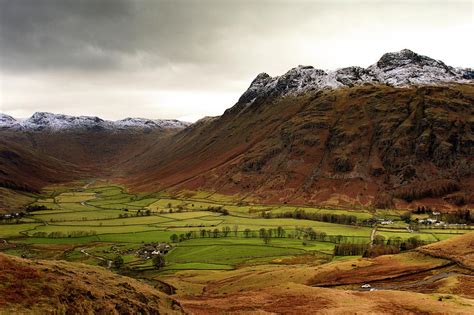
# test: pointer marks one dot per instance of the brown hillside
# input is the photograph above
(26, 169)
(365, 145)
(57, 287)
(459, 249)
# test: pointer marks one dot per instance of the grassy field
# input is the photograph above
(99, 216)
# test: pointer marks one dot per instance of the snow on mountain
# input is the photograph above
(150, 123)
(58, 122)
(398, 69)
(7, 121)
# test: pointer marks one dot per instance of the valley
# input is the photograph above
(348, 191)
(217, 247)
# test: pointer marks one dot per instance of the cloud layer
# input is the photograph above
(171, 59)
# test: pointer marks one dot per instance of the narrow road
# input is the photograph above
(432, 279)
(88, 184)
(109, 262)
(372, 235)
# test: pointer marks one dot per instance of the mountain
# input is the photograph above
(352, 137)
(399, 69)
(398, 133)
(42, 121)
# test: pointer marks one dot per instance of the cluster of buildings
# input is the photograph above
(147, 251)
(153, 249)
(10, 216)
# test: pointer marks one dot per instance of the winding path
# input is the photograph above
(109, 262)
(372, 235)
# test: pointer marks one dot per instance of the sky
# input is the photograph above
(186, 59)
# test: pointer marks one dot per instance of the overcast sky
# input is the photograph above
(189, 59)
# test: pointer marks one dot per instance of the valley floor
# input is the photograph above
(226, 254)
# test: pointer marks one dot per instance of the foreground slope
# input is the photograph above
(459, 249)
(61, 287)
(409, 283)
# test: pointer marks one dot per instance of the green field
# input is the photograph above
(97, 218)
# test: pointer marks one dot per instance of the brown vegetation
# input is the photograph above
(60, 287)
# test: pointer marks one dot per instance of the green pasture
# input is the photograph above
(84, 228)
(226, 254)
(14, 230)
(78, 215)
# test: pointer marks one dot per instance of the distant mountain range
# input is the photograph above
(57, 122)
(396, 134)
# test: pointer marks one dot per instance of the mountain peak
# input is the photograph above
(407, 57)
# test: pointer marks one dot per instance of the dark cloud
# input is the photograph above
(108, 34)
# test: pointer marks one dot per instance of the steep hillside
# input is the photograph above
(52, 287)
(26, 169)
(363, 145)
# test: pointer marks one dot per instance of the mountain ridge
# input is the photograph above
(399, 69)
(59, 122)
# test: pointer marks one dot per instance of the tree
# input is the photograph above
(225, 231)
(379, 240)
(118, 262)
(280, 232)
(174, 238)
(406, 217)
(158, 261)
(267, 239)
(247, 233)
(235, 228)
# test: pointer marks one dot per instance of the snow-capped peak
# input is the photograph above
(58, 122)
(398, 69)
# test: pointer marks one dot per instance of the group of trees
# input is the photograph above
(145, 213)
(422, 210)
(218, 210)
(458, 217)
(32, 208)
(380, 246)
(378, 250)
(225, 231)
(315, 216)
(59, 234)
(350, 249)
